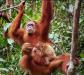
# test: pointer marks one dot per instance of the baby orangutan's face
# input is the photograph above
(38, 55)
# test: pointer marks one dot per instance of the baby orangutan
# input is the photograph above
(43, 53)
(43, 56)
(38, 56)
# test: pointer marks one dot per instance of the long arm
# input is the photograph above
(15, 32)
(46, 16)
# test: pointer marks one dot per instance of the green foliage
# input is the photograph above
(60, 34)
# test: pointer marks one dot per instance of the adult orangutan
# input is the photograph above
(34, 31)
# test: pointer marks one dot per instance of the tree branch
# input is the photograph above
(1, 10)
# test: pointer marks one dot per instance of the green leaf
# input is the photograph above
(2, 60)
(6, 26)
(4, 69)
(82, 59)
(82, 55)
(10, 41)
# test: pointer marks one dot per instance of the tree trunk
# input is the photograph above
(74, 45)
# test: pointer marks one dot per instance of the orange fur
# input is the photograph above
(41, 34)
(37, 62)
(44, 53)
(65, 58)
(42, 27)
